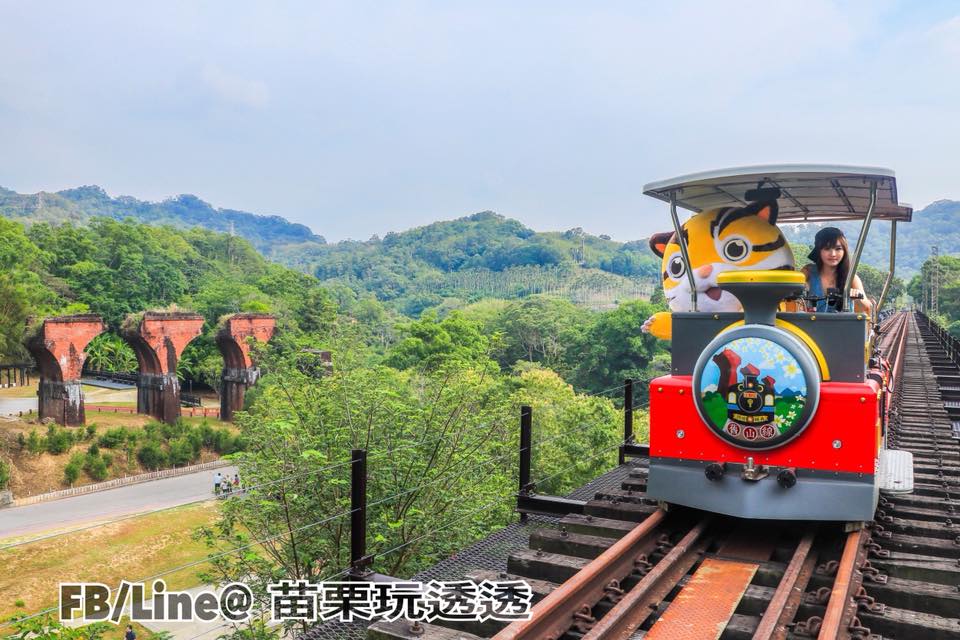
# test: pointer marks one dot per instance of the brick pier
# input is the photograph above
(59, 349)
(239, 372)
(159, 339)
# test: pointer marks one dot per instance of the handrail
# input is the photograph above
(861, 243)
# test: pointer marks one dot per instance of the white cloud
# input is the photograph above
(945, 37)
(234, 88)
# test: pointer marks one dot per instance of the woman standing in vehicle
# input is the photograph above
(831, 264)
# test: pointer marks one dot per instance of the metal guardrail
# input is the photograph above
(116, 376)
(950, 344)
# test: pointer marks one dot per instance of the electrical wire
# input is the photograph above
(565, 469)
(446, 526)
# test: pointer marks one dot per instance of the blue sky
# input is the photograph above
(358, 118)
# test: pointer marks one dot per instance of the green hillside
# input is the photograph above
(454, 262)
(935, 225)
(483, 255)
(82, 204)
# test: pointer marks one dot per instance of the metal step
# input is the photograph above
(895, 473)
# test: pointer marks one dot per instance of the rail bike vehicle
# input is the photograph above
(770, 413)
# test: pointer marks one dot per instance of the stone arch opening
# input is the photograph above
(158, 338)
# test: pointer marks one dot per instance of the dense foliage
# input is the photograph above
(945, 270)
(117, 268)
(484, 255)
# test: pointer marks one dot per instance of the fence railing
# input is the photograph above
(950, 344)
(129, 377)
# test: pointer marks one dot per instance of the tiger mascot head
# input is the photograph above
(718, 240)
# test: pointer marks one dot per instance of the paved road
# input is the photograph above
(71, 513)
(14, 406)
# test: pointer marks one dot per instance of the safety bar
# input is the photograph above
(861, 242)
(682, 241)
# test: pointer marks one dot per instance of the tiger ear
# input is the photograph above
(767, 210)
(659, 242)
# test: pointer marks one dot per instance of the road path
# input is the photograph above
(79, 511)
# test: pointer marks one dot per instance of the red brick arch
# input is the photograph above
(239, 370)
(59, 347)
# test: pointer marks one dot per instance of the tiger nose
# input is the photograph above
(705, 271)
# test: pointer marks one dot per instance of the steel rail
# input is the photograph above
(554, 615)
(635, 607)
(844, 587)
(786, 600)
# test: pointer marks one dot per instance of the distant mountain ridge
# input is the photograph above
(937, 224)
(80, 204)
(484, 241)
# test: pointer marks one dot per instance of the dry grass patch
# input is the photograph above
(131, 550)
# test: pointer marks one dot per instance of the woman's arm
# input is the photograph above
(864, 303)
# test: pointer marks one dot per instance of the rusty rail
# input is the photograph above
(628, 614)
(564, 607)
(844, 587)
(786, 600)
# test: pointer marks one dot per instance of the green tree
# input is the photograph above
(614, 348)
(541, 329)
(440, 442)
(431, 342)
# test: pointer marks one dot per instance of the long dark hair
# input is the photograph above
(830, 237)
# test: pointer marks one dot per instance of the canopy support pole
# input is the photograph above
(893, 262)
(683, 249)
(861, 242)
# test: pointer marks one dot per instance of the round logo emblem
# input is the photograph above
(756, 390)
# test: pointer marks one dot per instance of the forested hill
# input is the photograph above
(482, 255)
(184, 211)
(935, 225)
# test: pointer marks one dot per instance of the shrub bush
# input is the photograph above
(114, 438)
(181, 452)
(70, 473)
(226, 443)
(35, 443)
(90, 432)
(58, 440)
(152, 456)
(95, 467)
(4, 474)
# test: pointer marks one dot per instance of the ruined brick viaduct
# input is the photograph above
(158, 339)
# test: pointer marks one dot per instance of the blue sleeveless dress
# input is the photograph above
(816, 290)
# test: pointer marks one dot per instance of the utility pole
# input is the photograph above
(935, 280)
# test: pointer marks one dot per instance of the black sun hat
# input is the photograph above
(822, 238)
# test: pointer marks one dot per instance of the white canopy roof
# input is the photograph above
(808, 192)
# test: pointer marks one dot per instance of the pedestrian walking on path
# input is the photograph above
(217, 480)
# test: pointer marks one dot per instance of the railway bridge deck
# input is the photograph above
(623, 568)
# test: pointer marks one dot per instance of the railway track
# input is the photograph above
(627, 569)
